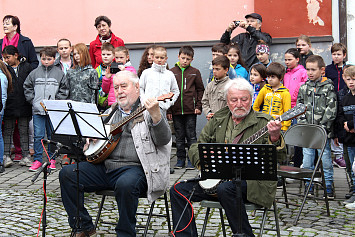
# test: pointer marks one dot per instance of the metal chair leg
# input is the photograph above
(263, 222)
(148, 219)
(99, 212)
(205, 222)
(276, 220)
(222, 220)
(284, 191)
(167, 211)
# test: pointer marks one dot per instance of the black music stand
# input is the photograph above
(80, 120)
(238, 162)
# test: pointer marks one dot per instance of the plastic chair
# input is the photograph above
(306, 136)
(106, 193)
(248, 207)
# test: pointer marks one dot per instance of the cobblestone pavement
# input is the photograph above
(21, 203)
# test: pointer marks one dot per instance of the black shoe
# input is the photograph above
(351, 191)
(330, 192)
(2, 168)
(172, 171)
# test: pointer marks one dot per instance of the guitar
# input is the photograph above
(97, 152)
(210, 185)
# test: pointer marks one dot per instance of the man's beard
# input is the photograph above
(247, 111)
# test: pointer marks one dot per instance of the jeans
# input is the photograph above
(41, 126)
(128, 183)
(308, 161)
(1, 143)
(226, 196)
(351, 152)
(185, 128)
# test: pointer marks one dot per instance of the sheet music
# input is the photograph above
(86, 115)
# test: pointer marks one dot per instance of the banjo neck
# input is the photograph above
(116, 128)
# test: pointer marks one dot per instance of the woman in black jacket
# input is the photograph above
(17, 109)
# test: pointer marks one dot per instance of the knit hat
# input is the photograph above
(262, 48)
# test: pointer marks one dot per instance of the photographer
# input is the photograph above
(247, 41)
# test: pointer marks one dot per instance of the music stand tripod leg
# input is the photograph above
(238, 185)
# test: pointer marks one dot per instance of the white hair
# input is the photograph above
(127, 74)
(239, 84)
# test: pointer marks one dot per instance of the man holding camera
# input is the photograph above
(247, 41)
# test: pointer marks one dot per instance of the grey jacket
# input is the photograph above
(213, 98)
(45, 83)
(153, 147)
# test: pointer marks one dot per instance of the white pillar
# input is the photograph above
(335, 20)
(350, 5)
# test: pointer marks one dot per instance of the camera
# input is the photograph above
(236, 23)
(114, 67)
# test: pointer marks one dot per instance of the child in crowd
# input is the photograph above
(263, 53)
(237, 61)
(121, 57)
(64, 61)
(82, 77)
(17, 109)
(213, 98)
(188, 105)
(221, 50)
(274, 98)
(107, 55)
(45, 82)
(158, 80)
(319, 96)
(257, 78)
(6, 87)
(303, 44)
(146, 60)
(296, 75)
(334, 71)
(345, 122)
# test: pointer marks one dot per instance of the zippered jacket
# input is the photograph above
(293, 79)
(191, 87)
(335, 73)
(213, 98)
(345, 113)
(274, 102)
(156, 81)
(45, 83)
(321, 101)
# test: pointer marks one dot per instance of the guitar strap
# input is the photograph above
(237, 138)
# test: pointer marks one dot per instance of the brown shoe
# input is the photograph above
(90, 233)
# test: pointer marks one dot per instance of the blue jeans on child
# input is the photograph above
(351, 152)
(308, 161)
(1, 143)
(185, 128)
(41, 126)
(128, 183)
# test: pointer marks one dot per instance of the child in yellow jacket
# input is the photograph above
(274, 98)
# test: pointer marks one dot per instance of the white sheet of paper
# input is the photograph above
(87, 122)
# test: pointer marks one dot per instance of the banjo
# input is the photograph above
(210, 185)
(97, 152)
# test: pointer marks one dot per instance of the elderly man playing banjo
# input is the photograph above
(137, 166)
(236, 121)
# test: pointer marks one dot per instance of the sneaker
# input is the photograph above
(2, 168)
(35, 166)
(179, 164)
(350, 200)
(311, 190)
(339, 162)
(351, 191)
(172, 171)
(65, 160)
(7, 161)
(330, 192)
(190, 166)
(18, 157)
(52, 165)
(350, 205)
(26, 161)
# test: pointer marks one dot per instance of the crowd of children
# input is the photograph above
(327, 91)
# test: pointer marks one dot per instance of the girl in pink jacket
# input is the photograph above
(295, 75)
(122, 58)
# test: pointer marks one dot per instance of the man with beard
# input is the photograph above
(236, 121)
(138, 165)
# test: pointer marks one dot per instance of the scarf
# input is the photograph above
(13, 41)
